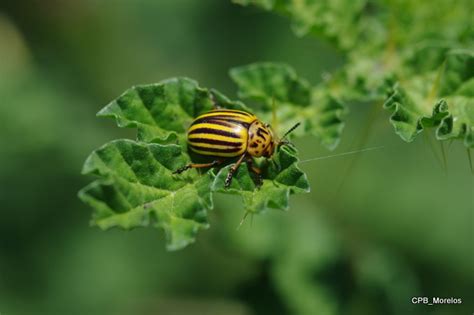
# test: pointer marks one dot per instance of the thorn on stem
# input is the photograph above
(470, 160)
(243, 219)
(443, 154)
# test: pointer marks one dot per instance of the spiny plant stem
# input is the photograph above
(361, 142)
(470, 160)
(243, 219)
(450, 143)
(429, 142)
(435, 88)
(443, 153)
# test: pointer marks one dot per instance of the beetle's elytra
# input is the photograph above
(230, 133)
(226, 134)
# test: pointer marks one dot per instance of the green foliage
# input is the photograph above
(137, 188)
(295, 99)
(281, 178)
(162, 112)
(443, 100)
(333, 19)
(394, 50)
(136, 185)
(423, 75)
(359, 252)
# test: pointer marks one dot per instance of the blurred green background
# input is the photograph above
(377, 229)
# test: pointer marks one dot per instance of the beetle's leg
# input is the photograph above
(214, 101)
(256, 171)
(196, 165)
(232, 170)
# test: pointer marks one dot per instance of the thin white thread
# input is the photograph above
(341, 154)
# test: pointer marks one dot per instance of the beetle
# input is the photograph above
(227, 134)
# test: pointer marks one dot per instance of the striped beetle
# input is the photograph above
(225, 134)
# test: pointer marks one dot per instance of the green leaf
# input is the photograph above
(266, 4)
(443, 100)
(336, 20)
(136, 185)
(263, 81)
(281, 178)
(375, 26)
(295, 101)
(383, 40)
(163, 111)
(136, 188)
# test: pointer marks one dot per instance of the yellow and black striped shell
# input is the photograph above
(230, 133)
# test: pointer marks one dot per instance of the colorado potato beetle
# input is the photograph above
(226, 134)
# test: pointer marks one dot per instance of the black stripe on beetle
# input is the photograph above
(214, 132)
(260, 131)
(222, 120)
(212, 120)
(242, 123)
(215, 141)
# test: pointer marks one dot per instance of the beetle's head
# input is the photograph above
(270, 149)
(261, 140)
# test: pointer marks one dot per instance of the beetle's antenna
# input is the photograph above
(289, 131)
